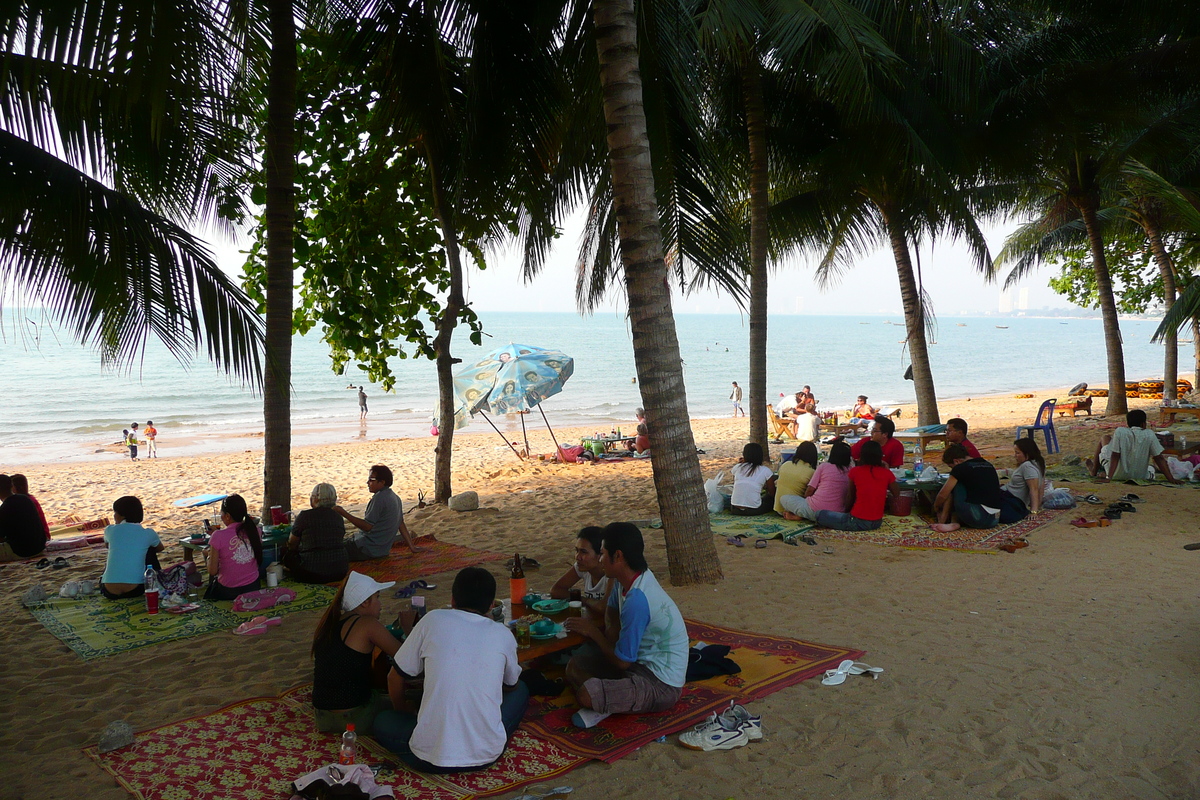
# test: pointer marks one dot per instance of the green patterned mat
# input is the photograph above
(1078, 473)
(95, 627)
(766, 526)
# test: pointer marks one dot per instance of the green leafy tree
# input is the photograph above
(368, 249)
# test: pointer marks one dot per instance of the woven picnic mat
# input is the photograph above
(915, 531)
(1077, 473)
(402, 564)
(769, 663)
(765, 526)
(95, 627)
(255, 749)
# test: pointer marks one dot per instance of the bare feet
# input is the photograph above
(945, 527)
(792, 517)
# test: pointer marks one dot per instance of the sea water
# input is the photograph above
(61, 404)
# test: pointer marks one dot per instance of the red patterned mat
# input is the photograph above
(914, 531)
(403, 565)
(256, 748)
(769, 663)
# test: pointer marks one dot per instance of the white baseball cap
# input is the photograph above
(359, 589)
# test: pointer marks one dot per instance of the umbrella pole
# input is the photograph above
(556, 447)
(502, 436)
(524, 433)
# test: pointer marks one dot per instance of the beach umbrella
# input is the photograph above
(510, 379)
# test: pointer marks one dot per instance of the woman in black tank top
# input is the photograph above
(343, 648)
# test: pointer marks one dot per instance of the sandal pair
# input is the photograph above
(57, 563)
(1014, 545)
(414, 587)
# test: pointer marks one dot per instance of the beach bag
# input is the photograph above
(1058, 498)
(716, 499)
(178, 578)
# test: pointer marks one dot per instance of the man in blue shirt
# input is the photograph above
(639, 660)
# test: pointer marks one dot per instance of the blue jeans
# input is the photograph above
(971, 515)
(841, 521)
(393, 730)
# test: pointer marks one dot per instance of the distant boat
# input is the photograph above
(1064, 323)
(864, 323)
(1002, 327)
(962, 324)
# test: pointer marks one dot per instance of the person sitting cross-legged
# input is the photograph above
(971, 493)
(639, 662)
(1126, 455)
(473, 699)
(870, 483)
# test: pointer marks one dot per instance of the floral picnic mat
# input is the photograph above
(915, 531)
(1078, 473)
(765, 526)
(95, 627)
(404, 565)
(769, 663)
(256, 748)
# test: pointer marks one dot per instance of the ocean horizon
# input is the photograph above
(65, 407)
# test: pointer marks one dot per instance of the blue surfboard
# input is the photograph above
(199, 500)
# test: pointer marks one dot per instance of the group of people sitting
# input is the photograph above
(318, 550)
(798, 413)
(850, 489)
(23, 527)
(454, 693)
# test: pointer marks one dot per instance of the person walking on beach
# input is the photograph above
(151, 436)
(380, 522)
(362, 403)
(131, 442)
(736, 397)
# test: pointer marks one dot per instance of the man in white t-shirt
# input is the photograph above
(640, 660)
(1126, 455)
(473, 699)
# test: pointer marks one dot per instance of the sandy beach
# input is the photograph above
(1065, 670)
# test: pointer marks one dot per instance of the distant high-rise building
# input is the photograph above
(1006, 302)
(1023, 299)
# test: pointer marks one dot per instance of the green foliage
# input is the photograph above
(366, 241)
(1137, 283)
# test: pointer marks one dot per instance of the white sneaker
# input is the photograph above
(750, 723)
(587, 718)
(720, 732)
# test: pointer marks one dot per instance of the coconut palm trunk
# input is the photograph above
(756, 133)
(1117, 404)
(691, 554)
(444, 451)
(280, 170)
(1166, 269)
(914, 321)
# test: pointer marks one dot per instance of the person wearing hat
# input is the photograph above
(342, 648)
(473, 699)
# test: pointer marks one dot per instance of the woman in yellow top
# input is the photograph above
(794, 475)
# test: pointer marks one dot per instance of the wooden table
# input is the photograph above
(922, 439)
(609, 442)
(550, 646)
(1166, 415)
(190, 546)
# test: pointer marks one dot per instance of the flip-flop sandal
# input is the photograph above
(414, 587)
(760, 544)
(45, 562)
(1014, 546)
(1085, 523)
(836, 677)
(808, 540)
(735, 541)
(60, 562)
(1193, 546)
(1093, 499)
(859, 668)
(1131, 498)
(1110, 513)
(1121, 505)
(1104, 522)
(538, 793)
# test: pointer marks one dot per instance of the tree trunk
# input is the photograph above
(756, 133)
(914, 322)
(691, 554)
(1196, 354)
(1171, 340)
(280, 164)
(444, 452)
(1108, 309)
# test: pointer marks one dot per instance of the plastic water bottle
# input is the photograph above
(918, 465)
(418, 607)
(151, 590)
(348, 754)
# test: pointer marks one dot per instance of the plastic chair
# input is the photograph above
(1044, 422)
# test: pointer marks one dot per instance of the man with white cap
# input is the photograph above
(473, 699)
(343, 645)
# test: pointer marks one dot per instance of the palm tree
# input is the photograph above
(114, 136)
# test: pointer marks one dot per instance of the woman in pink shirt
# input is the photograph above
(827, 490)
(234, 552)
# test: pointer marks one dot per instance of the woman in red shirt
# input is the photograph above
(870, 483)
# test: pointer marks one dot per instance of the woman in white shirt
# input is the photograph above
(1026, 482)
(753, 484)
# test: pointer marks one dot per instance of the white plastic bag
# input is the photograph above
(716, 500)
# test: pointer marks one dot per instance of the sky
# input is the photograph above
(870, 288)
